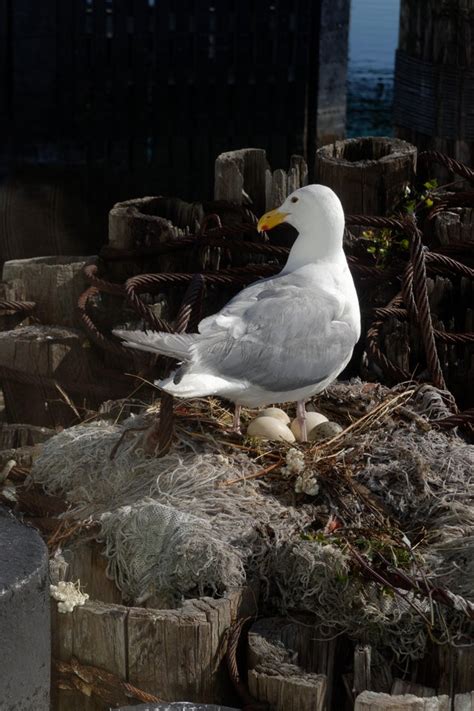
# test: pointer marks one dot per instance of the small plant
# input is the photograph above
(386, 243)
(414, 200)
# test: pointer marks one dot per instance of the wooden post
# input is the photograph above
(362, 669)
(244, 177)
(53, 283)
(454, 225)
(46, 210)
(464, 702)
(368, 174)
(144, 222)
(373, 701)
(47, 373)
(286, 666)
(174, 654)
(434, 60)
(400, 687)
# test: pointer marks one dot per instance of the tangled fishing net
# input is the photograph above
(372, 532)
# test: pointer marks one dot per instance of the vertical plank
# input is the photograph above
(99, 638)
(5, 60)
(34, 34)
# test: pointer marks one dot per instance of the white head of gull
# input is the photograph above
(281, 339)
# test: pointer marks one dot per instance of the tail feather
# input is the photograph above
(175, 345)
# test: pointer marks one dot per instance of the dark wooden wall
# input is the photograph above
(147, 86)
(434, 76)
(140, 96)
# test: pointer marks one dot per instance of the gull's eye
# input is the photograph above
(294, 199)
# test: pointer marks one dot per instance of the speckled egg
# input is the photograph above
(325, 430)
(275, 412)
(313, 419)
(270, 428)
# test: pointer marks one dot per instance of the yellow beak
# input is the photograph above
(270, 220)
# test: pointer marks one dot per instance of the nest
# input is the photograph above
(382, 549)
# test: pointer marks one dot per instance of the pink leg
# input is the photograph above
(301, 415)
(236, 420)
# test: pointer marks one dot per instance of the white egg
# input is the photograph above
(313, 419)
(270, 428)
(275, 412)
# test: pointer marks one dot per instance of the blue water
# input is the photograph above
(373, 39)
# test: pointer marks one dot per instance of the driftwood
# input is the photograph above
(173, 654)
(244, 177)
(288, 668)
(373, 701)
(368, 174)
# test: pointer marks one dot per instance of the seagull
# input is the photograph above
(281, 339)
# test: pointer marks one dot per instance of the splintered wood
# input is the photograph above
(288, 669)
(372, 701)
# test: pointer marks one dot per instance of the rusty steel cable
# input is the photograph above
(454, 166)
(95, 681)
(420, 290)
(94, 334)
(411, 303)
(188, 313)
(8, 307)
(91, 272)
(234, 638)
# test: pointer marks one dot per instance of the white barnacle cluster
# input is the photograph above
(68, 595)
(307, 483)
(294, 462)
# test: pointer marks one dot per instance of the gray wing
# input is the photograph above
(279, 336)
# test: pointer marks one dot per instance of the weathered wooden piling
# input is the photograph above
(170, 653)
(368, 174)
(245, 177)
(434, 77)
(288, 668)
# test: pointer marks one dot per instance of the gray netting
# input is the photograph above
(322, 585)
(174, 527)
(171, 526)
(156, 549)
